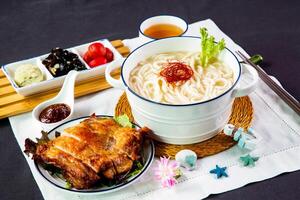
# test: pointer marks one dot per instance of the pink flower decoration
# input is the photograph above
(165, 172)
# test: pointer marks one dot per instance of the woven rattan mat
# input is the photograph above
(241, 116)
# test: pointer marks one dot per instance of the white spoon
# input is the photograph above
(65, 96)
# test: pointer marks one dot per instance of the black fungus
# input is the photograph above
(59, 62)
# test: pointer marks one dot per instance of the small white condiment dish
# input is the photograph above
(65, 96)
(51, 82)
(161, 19)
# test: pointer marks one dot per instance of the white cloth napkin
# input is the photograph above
(278, 125)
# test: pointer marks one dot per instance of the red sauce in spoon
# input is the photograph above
(55, 113)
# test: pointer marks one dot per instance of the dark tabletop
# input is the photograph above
(32, 27)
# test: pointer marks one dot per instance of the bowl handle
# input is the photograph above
(244, 91)
(117, 83)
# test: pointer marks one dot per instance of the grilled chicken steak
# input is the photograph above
(95, 148)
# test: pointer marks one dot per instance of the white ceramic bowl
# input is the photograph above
(161, 19)
(185, 123)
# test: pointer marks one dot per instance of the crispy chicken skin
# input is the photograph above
(95, 148)
(76, 172)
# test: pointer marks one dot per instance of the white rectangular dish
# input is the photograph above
(51, 82)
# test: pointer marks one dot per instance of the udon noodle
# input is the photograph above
(206, 83)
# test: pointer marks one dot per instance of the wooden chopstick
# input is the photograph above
(285, 96)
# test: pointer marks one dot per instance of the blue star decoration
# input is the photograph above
(248, 160)
(219, 171)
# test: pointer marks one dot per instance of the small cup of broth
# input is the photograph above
(162, 26)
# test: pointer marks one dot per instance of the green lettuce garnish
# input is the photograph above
(210, 49)
(138, 166)
(68, 185)
(123, 120)
(44, 138)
